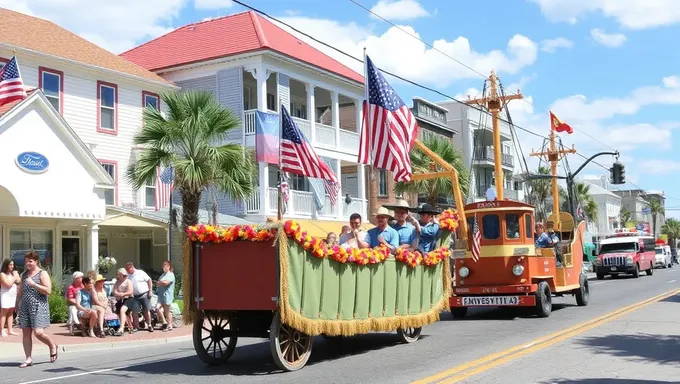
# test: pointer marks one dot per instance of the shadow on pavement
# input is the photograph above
(641, 347)
(672, 299)
(607, 381)
(502, 313)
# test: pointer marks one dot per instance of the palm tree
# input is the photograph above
(625, 216)
(434, 188)
(539, 191)
(671, 228)
(656, 209)
(583, 196)
(191, 140)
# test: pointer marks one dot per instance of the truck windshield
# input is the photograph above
(617, 247)
(658, 251)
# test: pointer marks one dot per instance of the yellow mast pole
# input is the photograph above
(495, 103)
(553, 156)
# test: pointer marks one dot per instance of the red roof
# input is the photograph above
(8, 107)
(228, 36)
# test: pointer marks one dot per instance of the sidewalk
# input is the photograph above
(11, 346)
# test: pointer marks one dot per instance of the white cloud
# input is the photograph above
(660, 167)
(116, 26)
(607, 39)
(632, 14)
(212, 4)
(671, 81)
(397, 52)
(551, 45)
(399, 10)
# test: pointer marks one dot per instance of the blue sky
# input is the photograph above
(607, 68)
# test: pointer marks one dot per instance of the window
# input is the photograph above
(52, 84)
(150, 194)
(528, 226)
(23, 240)
(382, 182)
(298, 183)
(151, 100)
(107, 103)
(271, 102)
(491, 227)
(512, 226)
(111, 167)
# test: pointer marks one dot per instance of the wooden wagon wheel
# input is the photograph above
(214, 341)
(409, 335)
(290, 348)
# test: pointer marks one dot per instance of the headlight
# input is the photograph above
(463, 272)
(517, 270)
(629, 260)
(598, 261)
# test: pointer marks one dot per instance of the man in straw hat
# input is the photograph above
(383, 233)
(405, 225)
(427, 227)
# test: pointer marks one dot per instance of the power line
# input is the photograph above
(454, 59)
(481, 110)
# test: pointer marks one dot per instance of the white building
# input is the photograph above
(259, 65)
(475, 141)
(609, 207)
(81, 121)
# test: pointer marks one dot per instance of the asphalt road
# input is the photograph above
(378, 357)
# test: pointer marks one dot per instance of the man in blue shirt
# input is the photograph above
(543, 240)
(405, 225)
(427, 228)
(383, 233)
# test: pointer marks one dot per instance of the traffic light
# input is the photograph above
(617, 173)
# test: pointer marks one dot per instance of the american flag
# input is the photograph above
(164, 184)
(476, 239)
(333, 190)
(389, 127)
(297, 155)
(285, 190)
(11, 86)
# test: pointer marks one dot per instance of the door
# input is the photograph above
(146, 255)
(70, 254)
(350, 183)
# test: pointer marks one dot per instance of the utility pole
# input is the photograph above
(494, 103)
(553, 155)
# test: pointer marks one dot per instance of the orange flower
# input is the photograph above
(449, 219)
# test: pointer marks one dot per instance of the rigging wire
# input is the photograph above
(454, 59)
(411, 82)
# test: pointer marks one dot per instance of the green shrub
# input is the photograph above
(57, 299)
(178, 284)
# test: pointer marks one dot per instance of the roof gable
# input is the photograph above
(37, 99)
(43, 36)
(246, 32)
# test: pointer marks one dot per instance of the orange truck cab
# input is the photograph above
(625, 253)
(510, 270)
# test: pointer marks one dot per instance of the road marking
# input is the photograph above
(672, 281)
(488, 362)
(598, 283)
(75, 375)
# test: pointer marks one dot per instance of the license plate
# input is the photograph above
(490, 301)
(613, 268)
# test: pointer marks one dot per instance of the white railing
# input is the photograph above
(305, 126)
(349, 141)
(301, 204)
(325, 135)
(253, 203)
(249, 121)
(356, 206)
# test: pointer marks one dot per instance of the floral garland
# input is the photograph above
(317, 248)
(448, 220)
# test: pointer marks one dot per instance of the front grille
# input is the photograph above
(613, 261)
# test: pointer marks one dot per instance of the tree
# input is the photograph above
(539, 191)
(671, 228)
(625, 216)
(656, 209)
(190, 139)
(434, 188)
(583, 196)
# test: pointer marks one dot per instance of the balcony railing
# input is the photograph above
(508, 193)
(301, 204)
(486, 154)
(325, 135)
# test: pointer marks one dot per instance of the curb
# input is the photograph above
(11, 350)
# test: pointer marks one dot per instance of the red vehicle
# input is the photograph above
(625, 253)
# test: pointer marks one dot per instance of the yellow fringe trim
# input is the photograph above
(352, 327)
(189, 311)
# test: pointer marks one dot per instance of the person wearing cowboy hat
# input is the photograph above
(427, 227)
(405, 225)
(382, 233)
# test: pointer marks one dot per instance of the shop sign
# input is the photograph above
(32, 162)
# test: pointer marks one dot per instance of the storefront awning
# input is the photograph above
(321, 228)
(128, 221)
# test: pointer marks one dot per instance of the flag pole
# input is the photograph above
(365, 104)
(170, 221)
(279, 208)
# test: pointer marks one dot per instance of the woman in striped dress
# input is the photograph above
(34, 310)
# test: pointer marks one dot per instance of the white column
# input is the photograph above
(358, 113)
(341, 198)
(335, 113)
(261, 75)
(92, 246)
(361, 182)
(264, 188)
(311, 110)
